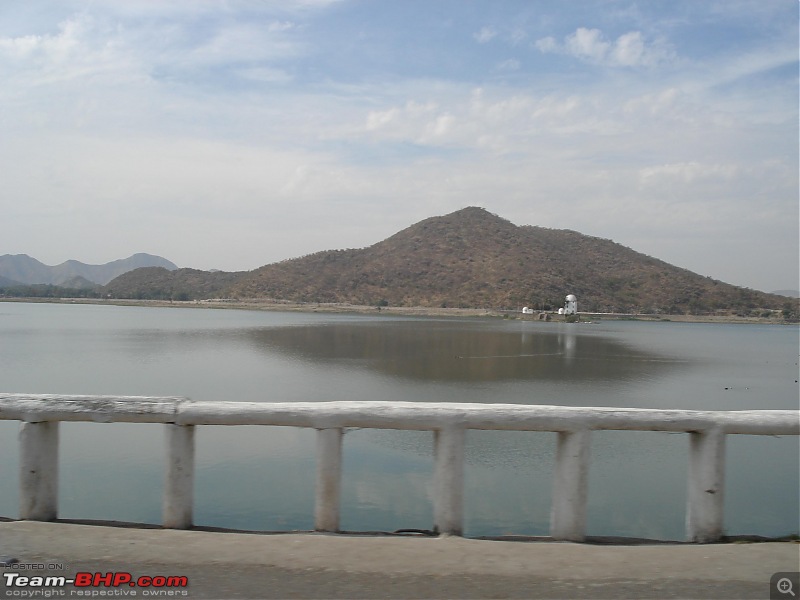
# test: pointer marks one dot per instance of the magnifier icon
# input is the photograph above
(784, 586)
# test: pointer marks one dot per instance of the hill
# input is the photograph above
(473, 259)
(158, 283)
(23, 269)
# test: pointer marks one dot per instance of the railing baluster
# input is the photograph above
(448, 481)
(178, 506)
(38, 470)
(570, 486)
(705, 486)
(329, 479)
(40, 415)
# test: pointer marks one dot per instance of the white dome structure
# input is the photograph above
(571, 306)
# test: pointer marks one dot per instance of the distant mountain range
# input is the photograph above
(470, 258)
(21, 269)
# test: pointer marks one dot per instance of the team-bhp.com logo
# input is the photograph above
(88, 584)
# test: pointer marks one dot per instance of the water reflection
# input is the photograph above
(457, 352)
(255, 477)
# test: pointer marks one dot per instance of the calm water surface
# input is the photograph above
(263, 477)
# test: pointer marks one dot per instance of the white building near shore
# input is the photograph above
(571, 305)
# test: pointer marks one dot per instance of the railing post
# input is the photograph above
(177, 510)
(448, 481)
(329, 479)
(38, 470)
(705, 486)
(570, 486)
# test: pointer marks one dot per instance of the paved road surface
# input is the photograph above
(240, 565)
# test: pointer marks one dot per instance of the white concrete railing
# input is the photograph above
(40, 415)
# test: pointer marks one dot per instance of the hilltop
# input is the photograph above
(468, 259)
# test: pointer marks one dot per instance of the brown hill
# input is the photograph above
(472, 258)
(158, 283)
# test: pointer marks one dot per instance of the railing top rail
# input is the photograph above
(390, 415)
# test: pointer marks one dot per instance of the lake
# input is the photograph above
(262, 478)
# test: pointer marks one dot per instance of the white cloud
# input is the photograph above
(69, 47)
(592, 46)
(486, 34)
(238, 43)
(495, 122)
(406, 122)
(587, 44)
(85, 45)
(686, 173)
(659, 103)
(629, 49)
(512, 64)
(547, 44)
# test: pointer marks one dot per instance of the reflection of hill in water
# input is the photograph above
(447, 352)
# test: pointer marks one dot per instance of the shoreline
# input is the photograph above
(411, 311)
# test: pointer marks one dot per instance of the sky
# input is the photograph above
(227, 134)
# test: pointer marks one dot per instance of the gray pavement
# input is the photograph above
(245, 565)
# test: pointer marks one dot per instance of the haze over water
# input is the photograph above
(263, 477)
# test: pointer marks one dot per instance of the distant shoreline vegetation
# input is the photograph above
(776, 317)
(790, 312)
(44, 290)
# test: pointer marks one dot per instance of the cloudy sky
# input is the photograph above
(229, 134)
